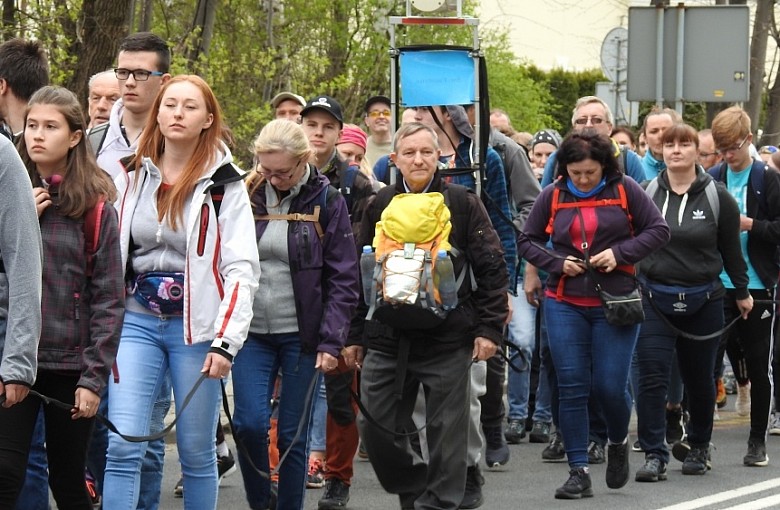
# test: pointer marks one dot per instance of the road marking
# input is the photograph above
(758, 504)
(727, 495)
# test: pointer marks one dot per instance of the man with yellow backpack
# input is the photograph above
(416, 334)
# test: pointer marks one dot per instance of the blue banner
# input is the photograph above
(438, 77)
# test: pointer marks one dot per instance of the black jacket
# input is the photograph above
(764, 236)
(480, 313)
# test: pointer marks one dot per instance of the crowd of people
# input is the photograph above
(622, 266)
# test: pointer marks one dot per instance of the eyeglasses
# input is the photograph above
(138, 74)
(280, 174)
(708, 154)
(734, 148)
(582, 121)
(377, 113)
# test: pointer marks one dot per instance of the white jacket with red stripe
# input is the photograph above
(222, 265)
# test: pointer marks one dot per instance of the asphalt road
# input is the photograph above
(528, 483)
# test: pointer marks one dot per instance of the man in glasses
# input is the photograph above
(380, 132)
(757, 192)
(142, 69)
(593, 112)
(708, 155)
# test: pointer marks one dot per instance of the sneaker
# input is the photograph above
(554, 452)
(336, 495)
(472, 496)
(721, 399)
(756, 453)
(595, 453)
(577, 486)
(674, 425)
(362, 453)
(730, 383)
(715, 414)
(178, 489)
(316, 477)
(654, 470)
(94, 497)
(540, 433)
(226, 466)
(774, 424)
(515, 431)
(697, 462)
(496, 450)
(637, 447)
(617, 465)
(680, 450)
(742, 405)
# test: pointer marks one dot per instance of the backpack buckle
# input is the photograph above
(409, 250)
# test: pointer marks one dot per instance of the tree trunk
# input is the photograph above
(102, 27)
(203, 28)
(145, 23)
(9, 22)
(758, 45)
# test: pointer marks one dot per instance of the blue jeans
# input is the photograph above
(546, 408)
(152, 468)
(254, 374)
(696, 360)
(590, 355)
(35, 493)
(520, 334)
(319, 415)
(150, 347)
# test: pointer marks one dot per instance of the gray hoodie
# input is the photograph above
(20, 285)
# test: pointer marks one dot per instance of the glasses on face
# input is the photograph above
(138, 74)
(379, 113)
(582, 121)
(734, 148)
(707, 154)
(279, 174)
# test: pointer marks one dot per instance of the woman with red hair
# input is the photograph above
(191, 274)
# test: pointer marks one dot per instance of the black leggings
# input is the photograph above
(66, 444)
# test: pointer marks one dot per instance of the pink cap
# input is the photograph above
(353, 134)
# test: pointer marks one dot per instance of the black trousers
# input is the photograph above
(755, 337)
(66, 444)
(438, 484)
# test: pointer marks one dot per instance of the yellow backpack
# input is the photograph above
(412, 229)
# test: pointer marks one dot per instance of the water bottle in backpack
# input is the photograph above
(445, 277)
(367, 263)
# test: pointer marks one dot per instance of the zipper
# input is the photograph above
(306, 254)
(76, 300)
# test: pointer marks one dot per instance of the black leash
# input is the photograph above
(373, 421)
(240, 445)
(105, 421)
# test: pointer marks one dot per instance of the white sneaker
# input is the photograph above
(774, 424)
(742, 405)
(716, 414)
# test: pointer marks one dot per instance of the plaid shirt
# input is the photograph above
(82, 318)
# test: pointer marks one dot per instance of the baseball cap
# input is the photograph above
(282, 96)
(325, 103)
(376, 99)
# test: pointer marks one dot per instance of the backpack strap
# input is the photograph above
(225, 174)
(711, 191)
(96, 137)
(319, 216)
(92, 223)
(621, 201)
(347, 182)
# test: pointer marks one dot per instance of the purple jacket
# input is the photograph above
(324, 273)
(650, 233)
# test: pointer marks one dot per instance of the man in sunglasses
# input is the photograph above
(592, 112)
(380, 132)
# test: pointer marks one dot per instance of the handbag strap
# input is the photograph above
(585, 250)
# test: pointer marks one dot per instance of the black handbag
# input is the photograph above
(619, 310)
